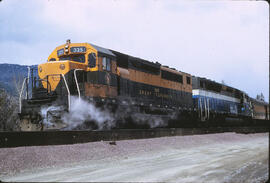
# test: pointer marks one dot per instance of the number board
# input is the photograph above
(60, 52)
(77, 49)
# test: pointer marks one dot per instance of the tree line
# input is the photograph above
(9, 119)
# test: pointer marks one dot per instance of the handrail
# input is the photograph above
(201, 107)
(205, 108)
(208, 109)
(67, 91)
(28, 77)
(75, 76)
(20, 98)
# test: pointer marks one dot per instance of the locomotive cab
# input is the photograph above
(64, 60)
(79, 66)
(73, 69)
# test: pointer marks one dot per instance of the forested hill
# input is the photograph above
(12, 76)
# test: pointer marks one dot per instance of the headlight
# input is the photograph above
(62, 66)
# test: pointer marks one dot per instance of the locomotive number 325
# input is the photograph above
(77, 49)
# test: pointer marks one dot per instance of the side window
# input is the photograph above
(180, 79)
(92, 60)
(188, 80)
(52, 59)
(171, 76)
(106, 64)
(108, 67)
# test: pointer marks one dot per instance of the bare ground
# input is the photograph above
(226, 157)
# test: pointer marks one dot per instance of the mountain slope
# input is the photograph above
(12, 76)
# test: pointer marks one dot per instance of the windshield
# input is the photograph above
(77, 58)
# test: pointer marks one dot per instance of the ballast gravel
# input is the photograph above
(24, 159)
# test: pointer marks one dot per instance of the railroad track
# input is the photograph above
(17, 139)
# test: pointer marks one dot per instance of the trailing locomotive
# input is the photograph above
(218, 100)
(120, 82)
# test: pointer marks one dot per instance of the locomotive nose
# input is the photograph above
(52, 72)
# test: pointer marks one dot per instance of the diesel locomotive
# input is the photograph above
(118, 81)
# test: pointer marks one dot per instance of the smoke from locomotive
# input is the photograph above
(82, 111)
(85, 115)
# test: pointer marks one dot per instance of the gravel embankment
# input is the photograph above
(13, 160)
(25, 159)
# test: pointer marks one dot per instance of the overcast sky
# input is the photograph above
(219, 40)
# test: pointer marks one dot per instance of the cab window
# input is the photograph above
(77, 58)
(106, 64)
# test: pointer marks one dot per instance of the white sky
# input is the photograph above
(220, 40)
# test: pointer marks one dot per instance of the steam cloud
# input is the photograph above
(82, 111)
(151, 120)
(48, 112)
(85, 115)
